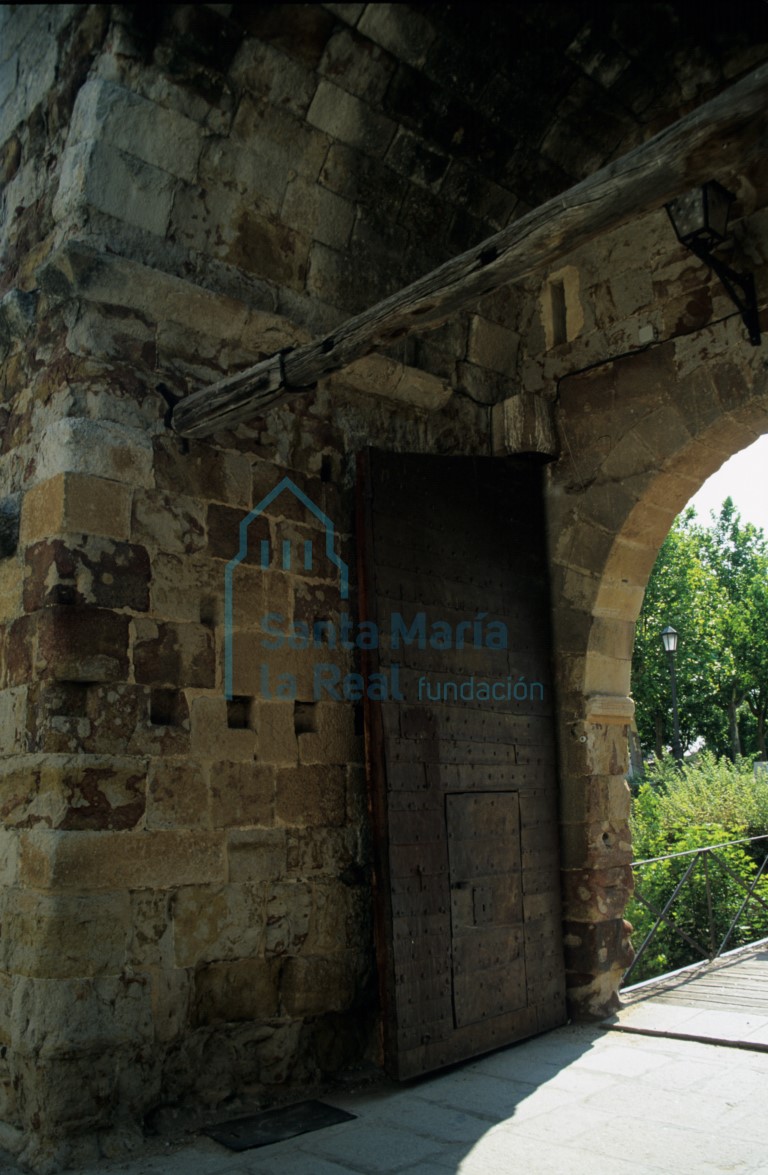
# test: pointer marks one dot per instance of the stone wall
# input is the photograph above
(186, 901)
(186, 885)
(654, 388)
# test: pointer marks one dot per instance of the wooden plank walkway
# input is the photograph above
(725, 1002)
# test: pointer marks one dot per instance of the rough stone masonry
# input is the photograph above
(185, 903)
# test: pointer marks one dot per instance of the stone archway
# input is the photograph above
(648, 429)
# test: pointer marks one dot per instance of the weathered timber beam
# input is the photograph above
(719, 136)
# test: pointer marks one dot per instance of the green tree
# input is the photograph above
(737, 554)
(682, 592)
(711, 584)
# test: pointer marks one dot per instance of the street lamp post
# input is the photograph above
(669, 639)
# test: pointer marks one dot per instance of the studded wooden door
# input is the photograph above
(461, 755)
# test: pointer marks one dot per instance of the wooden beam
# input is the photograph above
(717, 137)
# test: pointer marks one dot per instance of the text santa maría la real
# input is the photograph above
(415, 632)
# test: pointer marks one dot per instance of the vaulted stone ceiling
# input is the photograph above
(497, 106)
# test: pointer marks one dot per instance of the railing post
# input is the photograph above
(710, 915)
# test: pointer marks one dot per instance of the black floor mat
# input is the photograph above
(243, 1134)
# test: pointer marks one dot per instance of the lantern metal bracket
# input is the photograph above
(700, 220)
(740, 288)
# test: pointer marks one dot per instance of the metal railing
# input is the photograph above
(702, 861)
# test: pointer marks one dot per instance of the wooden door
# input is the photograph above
(461, 755)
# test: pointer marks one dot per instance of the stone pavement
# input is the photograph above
(576, 1101)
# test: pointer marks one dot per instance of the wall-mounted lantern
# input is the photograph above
(700, 221)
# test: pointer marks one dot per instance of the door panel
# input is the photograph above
(462, 785)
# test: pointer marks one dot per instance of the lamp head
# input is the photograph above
(700, 217)
(669, 637)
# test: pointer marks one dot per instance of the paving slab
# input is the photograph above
(581, 1100)
(725, 1002)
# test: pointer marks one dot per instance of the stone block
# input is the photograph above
(130, 123)
(171, 995)
(232, 991)
(173, 654)
(302, 146)
(266, 476)
(99, 795)
(212, 738)
(584, 546)
(254, 593)
(346, 118)
(256, 855)
(72, 502)
(597, 946)
(333, 739)
(609, 505)
(116, 182)
(288, 912)
(10, 589)
(403, 31)
(309, 796)
(275, 733)
(191, 587)
(168, 522)
(261, 245)
(121, 860)
(241, 795)
(218, 923)
(257, 172)
(665, 433)
(13, 720)
(357, 65)
(619, 599)
(311, 986)
(631, 291)
(272, 76)
(585, 799)
(599, 894)
(523, 424)
(631, 563)
(64, 1016)
(95, 571)
(99, 448)
(609, 675)
(198, 470)
(596, 748)
(612, 637)
(380, 376)
(9, 856)
(349, 13)
(317, 212)
(81, 644)
(67, 935)
(363, 180)
(118, 335)
(28, 796)
(272, 674)
(177, 795)
(321, 851)
(150, 939)
(301, 30)
(492, 346)
(341, 918)
(595, 845)
(120, 718)
(225, 534)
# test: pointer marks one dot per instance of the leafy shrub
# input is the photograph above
(678, 809)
